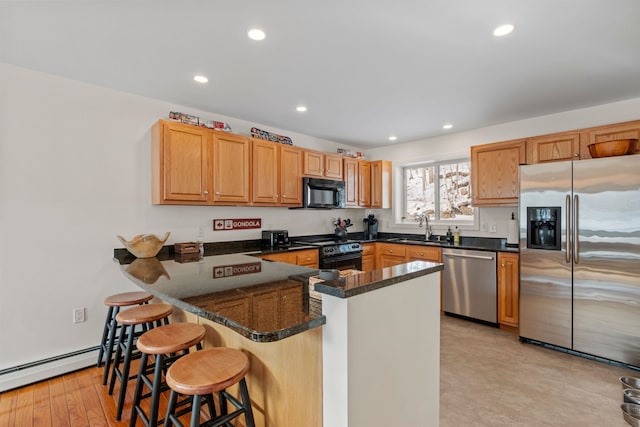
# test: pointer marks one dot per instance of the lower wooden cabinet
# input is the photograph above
(368, 256)
(303, 257)
(390, 254)
(508, 288)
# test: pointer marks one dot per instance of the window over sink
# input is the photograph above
(440, 189)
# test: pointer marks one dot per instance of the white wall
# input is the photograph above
(74, 173)
(457, 145)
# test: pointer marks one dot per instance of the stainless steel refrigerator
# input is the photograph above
(580, 256)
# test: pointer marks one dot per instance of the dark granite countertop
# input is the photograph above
(466, 242)
(368, 281)
(261, 300)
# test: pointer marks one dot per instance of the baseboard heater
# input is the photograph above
(28, 373)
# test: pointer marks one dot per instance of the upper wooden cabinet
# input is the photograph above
(322, 165)
(364, 183)
(277, 174)
(231, 154)
(495, 173)
(613, 132)
(381, 184)
(556, 147)
(351, 181)
(181, 164)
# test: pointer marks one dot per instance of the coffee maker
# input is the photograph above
(370, 227)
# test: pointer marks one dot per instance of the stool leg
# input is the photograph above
(126, 365)
(195, 411)
(116, 359)
(171, 407)
(110, 343)
(105, 332)
(155, 392)
(246, 402)
(138, 392)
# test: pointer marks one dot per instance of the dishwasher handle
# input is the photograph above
(469, 256)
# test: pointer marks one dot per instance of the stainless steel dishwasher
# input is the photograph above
(469, 285)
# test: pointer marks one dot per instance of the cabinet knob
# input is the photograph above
(576, 155)
(275, 196)
(284, 196)
(205, 192)
(421, 253)
(502, 265)
(217, 193)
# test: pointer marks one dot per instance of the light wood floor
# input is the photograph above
(487, 378)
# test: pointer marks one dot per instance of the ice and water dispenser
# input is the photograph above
(544, 228)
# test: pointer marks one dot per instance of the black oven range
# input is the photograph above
(339, 255)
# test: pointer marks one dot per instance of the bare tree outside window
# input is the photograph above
(441, 190)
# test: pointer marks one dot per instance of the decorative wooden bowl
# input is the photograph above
(144, 245)
(619, 147)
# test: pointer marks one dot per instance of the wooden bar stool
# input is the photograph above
(114, 302)
(203, 373)
(167, 344)
(142, 316)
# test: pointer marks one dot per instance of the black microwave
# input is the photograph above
(318, 193)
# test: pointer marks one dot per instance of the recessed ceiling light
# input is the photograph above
(503, 30)
(393, 138)
(447, 126)
(301, 108)
(200, 79)
(256, 34)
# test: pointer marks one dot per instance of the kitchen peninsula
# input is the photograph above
(374, 362)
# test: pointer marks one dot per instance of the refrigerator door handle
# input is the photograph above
(576, 255)
(568, 226)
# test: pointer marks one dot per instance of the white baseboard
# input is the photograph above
(51, 369)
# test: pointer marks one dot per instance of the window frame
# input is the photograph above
(401, 219)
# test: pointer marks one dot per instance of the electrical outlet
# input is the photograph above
(78, 315)
(483, 227)
(493, 228)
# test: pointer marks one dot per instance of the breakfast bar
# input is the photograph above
(359, 350)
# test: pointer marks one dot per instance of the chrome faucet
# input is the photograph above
(423, 218)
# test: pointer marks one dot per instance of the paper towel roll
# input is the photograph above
(512, 232)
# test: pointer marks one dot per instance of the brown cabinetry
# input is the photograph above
(322, 165)
(613, 132)
(420, 253)
(508, 288)
(351, 181)
(181, 168)
(277, 173)
(495, 173)
(303, 257)
(368, 256)
(231, 154)
(197, 166)
(381, 184)
(364, 183)
(553, 148)
(389, 254)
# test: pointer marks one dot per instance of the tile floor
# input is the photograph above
(489, 378)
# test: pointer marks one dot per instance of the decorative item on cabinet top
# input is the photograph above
(261, 134)
(195, 120)
(618, 147)
(144, 245)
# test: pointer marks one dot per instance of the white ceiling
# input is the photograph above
(366, 69)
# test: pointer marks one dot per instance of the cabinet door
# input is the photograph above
(265, 313)
(180, 164)
(495, 172)
(420, 253)
(553, 148)
(508, 288)
(290, 305)
(612, 132)
(231, 169)
(333, 166)
(266, 156)
(290, 176)
(381, 184)
(307, 258)
(350, 169)
(368, 256)
(389, 254)
(313, 163)
(236, 309)
(364, 183)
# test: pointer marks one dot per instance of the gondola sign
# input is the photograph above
(236, 224)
